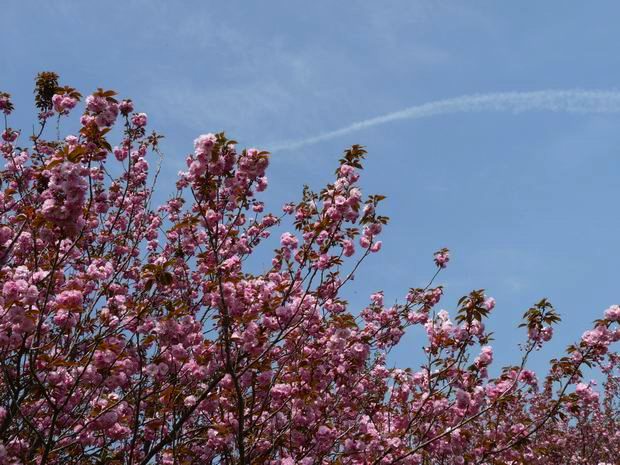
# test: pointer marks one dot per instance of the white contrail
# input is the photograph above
(567, 101)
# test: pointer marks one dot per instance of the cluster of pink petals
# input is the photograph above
(63, 103)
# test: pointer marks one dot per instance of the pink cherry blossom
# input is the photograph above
(137, 332)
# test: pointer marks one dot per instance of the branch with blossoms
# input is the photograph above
(133, 333)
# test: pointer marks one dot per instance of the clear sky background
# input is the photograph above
(527, 202)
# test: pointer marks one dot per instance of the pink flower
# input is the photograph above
(70, 299)
(376, 246)
(489, 303)
(485, 358)
(613, 313)
(289, 240)
(126, 107)
(103, 112)
(598, 336)
(10, 135)
(348, 248)
(139, 119)
(63, 103)
(462, 399)
(323, 262)
(204, 143)
(546, 333)
(442, 258)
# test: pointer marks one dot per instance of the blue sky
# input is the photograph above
(526, 201)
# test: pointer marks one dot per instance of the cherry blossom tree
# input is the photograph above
(132, 333)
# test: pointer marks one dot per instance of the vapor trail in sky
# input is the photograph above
(566, 101)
